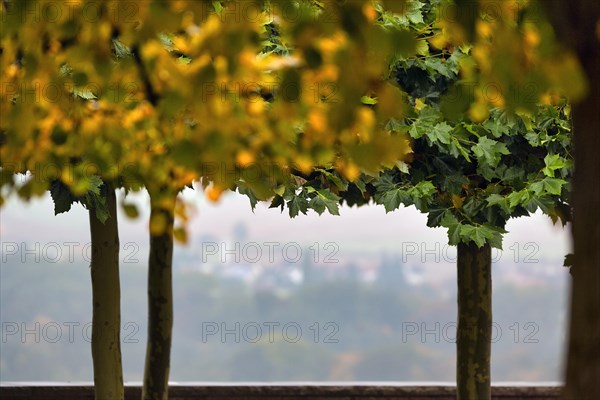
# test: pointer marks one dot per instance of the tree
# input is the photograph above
(472, 170)
(469, 178)
(106, 301)
(151, 115)
(548, 47)
(576, 25)
(159, 81)
(101, 202)
(472, 193)
(245, 162)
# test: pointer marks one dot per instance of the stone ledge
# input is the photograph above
(280, 392)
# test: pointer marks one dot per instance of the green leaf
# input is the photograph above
(85, 94)
(482, 234)
(553, 185)
(495, 238)
(97, 202)
(544, 203)
(496, 127)
(420, 195)
(361, 186)
(440, 133)
(436, 65)
(533, 138)
(389, 194)
(94, 198)
(518, 198)
(513, 173)
(217, 6)
(500, 201)
(297, 205)
(454, 227)
(95, 184)
(414, 14)
(436, 216)
(473, 206)
(62, 197)
(453, 182)
(422, 189)
(391, 199)
(554, 162)
(368, 100)
(471, 233)
(489, 151)
(277, 202)
(244, 189)
(121, 51)
(537, 187)
(101, 213)
(325, 200)
(334, 178)
(394, 125)
(495, 199)
(425, 123)
(457, 149)
(402, 166)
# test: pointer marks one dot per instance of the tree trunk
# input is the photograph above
(583, 360)
(474, 331)
(576, 25)
(106, 319)
(160, 309)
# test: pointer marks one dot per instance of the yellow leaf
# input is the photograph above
(419, 104)
(484, 29)
(158, 224)
(131, 210)
(244, 158)
(67, 176)
(213, 193)
(280, 190)
(478, 112)
(531, 36)
(304, 164)
(438, 41)
(369, 12)
(255, 107)
(366, 117)
(351, 172)
(317, 120)
(457, 201)
(180, 234)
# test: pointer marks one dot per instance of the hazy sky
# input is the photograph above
(365, 230)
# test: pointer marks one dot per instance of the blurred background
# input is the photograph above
(365, 296)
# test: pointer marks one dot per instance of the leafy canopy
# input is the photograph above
(158, 94)
(476, 161)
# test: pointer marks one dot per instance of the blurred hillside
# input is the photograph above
(364, 317)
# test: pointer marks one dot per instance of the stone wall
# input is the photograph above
(280, 392)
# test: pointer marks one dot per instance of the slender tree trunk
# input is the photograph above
(106, 319)
(160, 309)
(474, 331)
(577, 26)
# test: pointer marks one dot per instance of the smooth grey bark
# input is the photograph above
(474, 330)
(106, 295)
(160, 310)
